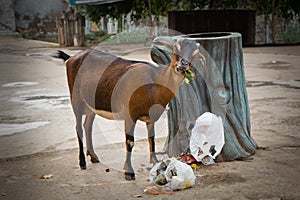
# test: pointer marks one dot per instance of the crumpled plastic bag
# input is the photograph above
(172, 173)
(207, 138)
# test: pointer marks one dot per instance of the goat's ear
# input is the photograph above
(197, 54)
(177, 46)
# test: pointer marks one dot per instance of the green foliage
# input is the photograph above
(262, 7)
(288, 9)
(95, 35)
(138, 8)
(291, 35)
(161, 7)
(112, 10)
(138, 35)
(212, 4)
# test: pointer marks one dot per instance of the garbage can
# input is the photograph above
(219, 88)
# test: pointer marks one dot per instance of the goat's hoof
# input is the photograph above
(83, 167)
(129, 176)
(153, 160)
(82, 164)
(94, 158)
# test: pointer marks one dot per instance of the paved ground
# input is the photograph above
(37, 135)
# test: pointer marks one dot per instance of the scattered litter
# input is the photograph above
(137, 195)
(47, 176)
(266, 148)
(148, 168)
(155, 190)
(170, 174)
(140, 170)
(194, 166)
(187, 158)
(207, 138)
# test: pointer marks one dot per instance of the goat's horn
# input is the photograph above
(200, 56)
(167, 44)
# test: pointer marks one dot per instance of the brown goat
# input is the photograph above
(116, 88)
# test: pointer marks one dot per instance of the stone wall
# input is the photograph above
(38, 17)
(7, 14)
(264, 30)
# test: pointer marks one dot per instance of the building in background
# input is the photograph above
(37, 20)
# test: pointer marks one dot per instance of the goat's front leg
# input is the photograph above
(129, 131)
(151, 140)
(88, 125)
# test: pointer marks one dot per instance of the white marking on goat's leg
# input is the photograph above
(129, 142)
(79, 131)
(88, 126)
(151, 141)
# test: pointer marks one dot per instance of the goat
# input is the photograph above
(115, 88)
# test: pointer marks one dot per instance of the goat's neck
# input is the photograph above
(173, 61)
(170, 78)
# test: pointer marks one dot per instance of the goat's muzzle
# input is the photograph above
(182, 66)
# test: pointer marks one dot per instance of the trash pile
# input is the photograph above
(169, 175)
(206, 142)
(207, 138)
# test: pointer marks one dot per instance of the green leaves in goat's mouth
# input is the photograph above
(188, 74)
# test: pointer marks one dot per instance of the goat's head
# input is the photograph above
(184, 52)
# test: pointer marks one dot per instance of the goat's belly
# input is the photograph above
(118, 116)
(113, 115)
(107, 114)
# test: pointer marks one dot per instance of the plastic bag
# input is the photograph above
(172, 173)
(207, 138)
(155, 190)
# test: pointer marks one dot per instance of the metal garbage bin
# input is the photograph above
(219, 88)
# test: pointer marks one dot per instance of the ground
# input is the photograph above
(37, 135)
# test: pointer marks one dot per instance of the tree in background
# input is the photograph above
(287, 9)
(114, 11)
(213, 4)
(139, 9)
(161, 8)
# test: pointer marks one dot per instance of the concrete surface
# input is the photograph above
(37, 134)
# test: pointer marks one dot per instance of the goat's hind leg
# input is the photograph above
(78, 115)
(88, 125)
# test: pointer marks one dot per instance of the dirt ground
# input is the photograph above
(273, 84)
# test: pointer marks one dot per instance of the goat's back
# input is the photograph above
(94, 74)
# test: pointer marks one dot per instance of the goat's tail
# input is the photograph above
(61, 55)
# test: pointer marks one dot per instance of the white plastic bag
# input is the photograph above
(207, 138)
(172, 173)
